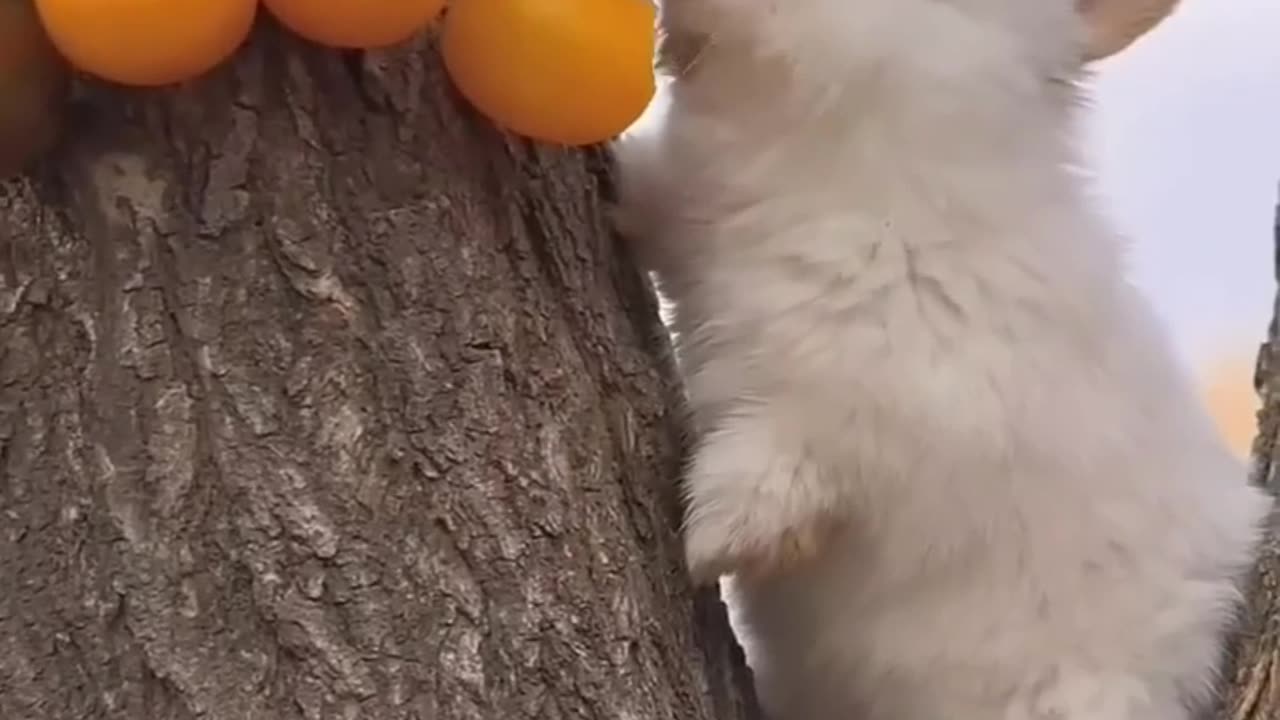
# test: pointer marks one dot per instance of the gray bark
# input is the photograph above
(1253, 692)
(320, 399)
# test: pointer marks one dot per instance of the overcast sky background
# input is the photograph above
(1185, 138)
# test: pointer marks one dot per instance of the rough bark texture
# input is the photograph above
(1254, 690)
(318, 399)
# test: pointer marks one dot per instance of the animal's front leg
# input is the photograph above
(757, 503)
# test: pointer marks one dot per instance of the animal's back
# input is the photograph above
(1079, 561)
(895, 306)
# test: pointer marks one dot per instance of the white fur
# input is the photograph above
(895, 304)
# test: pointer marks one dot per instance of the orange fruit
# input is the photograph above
(34, 82)
(147, 42)
(355, 23)
(1228, 389)
(571, 72)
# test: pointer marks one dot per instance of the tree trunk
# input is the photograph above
(1254, 690)
(320, 399)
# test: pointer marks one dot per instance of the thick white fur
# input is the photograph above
(896, 307)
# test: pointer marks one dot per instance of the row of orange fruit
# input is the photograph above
(571, 72)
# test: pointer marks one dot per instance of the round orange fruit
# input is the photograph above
(355, 23)
(1227, 386)
(147, 42)
(570, 72)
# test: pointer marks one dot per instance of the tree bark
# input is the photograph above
(1253, 692)
(319, 398)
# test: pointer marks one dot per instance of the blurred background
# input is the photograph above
(1185, 138)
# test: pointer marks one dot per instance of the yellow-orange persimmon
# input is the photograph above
(355, 23)
(571, 72)
(147, 42)
(1228, 390)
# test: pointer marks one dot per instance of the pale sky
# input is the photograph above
(1185, 138)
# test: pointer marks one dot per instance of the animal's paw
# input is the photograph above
(712, 549)
(754, 511)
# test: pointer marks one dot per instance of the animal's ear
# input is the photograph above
(1112, 25)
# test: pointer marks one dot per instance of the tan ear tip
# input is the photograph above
(1114, 25)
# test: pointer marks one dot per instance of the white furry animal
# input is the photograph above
(944, 449)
